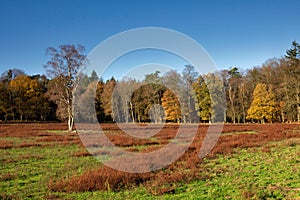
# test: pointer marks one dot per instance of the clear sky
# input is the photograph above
(236, 33)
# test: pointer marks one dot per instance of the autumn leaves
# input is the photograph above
(263, 106)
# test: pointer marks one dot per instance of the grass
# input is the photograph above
(15, 141)
(268, 171)
(240, 132)
(254, 173)
(32, 168)
(56, 131)
(257, 173)
(248, 173)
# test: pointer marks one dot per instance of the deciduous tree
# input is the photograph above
(203, 105)
(64, 65)
(123, 105)
(189, 75)
(263, 106)
(106, 99)
(234, 81)
(171, 106)
(215, 86)
(24, 91)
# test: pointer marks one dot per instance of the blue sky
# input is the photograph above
(234, 32)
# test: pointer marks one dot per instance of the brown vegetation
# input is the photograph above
(185, 169)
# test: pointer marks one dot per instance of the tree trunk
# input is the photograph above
(282, 116)
(131, 111)
(298, 115)
(298, 102)
(70, 118)
(244, 113)
(70, 123)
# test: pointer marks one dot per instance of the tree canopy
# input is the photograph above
(266, 93)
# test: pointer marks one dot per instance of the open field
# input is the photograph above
(43, 161)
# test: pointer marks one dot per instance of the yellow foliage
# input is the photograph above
(263, 106)
(24, 85)
(172, 106)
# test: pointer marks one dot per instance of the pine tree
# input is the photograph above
(293, 75)
(263, 106)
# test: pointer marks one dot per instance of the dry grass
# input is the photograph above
(103, 178)
(188, 167)
(4, 144)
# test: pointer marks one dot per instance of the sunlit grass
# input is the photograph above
(33, 167)
(270, 171)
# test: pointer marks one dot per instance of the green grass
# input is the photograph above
(257, 173)
(242, 132)
(140, 148)
(247, 174)
(26, 172)
(57, 131)
(17, 140)
(270, 172)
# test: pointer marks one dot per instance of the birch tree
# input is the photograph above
(63, 66)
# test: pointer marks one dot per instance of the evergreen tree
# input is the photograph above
(293, 75)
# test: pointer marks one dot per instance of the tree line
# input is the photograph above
(267, 93)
